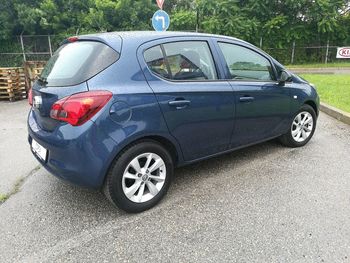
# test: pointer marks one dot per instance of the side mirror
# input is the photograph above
(285, 76)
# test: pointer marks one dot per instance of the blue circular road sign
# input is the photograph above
(160, 21)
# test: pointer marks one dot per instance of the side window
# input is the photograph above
(190, 60)
(187, 60)
(155, 61)
(246, 64)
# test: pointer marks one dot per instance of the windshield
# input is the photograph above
(77, 62)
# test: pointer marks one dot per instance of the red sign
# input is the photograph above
(343, 52)
(160, 3)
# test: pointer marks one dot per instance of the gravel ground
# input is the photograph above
(265, 203)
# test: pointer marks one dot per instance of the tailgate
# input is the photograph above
(67, 72)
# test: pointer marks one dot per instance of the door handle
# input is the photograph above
(179, 104)
(246, 99)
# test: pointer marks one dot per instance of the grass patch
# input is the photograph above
(3, 198)
(15, 189)
(321, 65)
(17, 186)
(332, 89)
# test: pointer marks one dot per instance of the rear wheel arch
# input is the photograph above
(166, 143)
(163, 141)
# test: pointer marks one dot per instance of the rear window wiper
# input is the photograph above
(42, 80)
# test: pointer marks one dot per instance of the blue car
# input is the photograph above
(119, 111)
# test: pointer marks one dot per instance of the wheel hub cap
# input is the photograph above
(145, 177)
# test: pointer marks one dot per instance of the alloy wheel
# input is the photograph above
(302, 126)
(144, 177)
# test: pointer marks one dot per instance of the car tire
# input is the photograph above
(145, 165)
(301, 130)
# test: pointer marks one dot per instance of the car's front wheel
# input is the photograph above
(301, 129)
(140, 177)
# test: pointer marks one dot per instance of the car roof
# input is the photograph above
(137, 38)
(140, 37)
(151, 35)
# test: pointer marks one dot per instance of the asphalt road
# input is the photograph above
(15, 158)
(265, 203)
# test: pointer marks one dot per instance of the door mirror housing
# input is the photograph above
(284, 77)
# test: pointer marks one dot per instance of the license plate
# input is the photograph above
(39, 150)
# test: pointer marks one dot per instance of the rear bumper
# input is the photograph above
(80, 155)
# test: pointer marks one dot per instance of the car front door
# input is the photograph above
(262, 105)
(197, 106)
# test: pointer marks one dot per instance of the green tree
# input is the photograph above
(227, 17)
(278, 22)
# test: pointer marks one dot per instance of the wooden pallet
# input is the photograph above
(37, 71)
(35, 64)
(15, 82)
(32, 70)
(12, 84)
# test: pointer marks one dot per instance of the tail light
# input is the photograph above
(30, 97)
(79, 108)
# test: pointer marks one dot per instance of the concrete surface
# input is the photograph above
(265, 203)
(15, 157)
(320, 70)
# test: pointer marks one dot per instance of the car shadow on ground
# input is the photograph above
(85, 201)
(229, 161)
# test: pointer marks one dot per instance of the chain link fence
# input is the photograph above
(14, 52)
(305, 55)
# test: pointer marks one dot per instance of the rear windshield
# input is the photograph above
(77, 62)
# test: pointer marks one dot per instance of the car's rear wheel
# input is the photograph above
(140, 177)
(301, 129)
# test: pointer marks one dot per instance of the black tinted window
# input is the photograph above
(244, 63)
(187, 60)
(76, 62)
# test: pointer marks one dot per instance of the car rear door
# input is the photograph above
(262, 105)
(197, 106)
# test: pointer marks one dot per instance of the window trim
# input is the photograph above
(218, 79)
(165, 61)
(218, 41)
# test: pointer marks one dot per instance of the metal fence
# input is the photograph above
(15, 51)
(305, 54)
